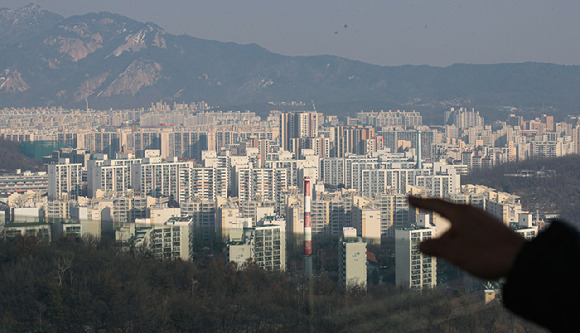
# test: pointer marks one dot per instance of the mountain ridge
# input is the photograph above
(114, 61)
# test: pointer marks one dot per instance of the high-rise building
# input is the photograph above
(229, 218)
(296, 125)
(414, 269)
(201, 210)
(260, 184)
(394, 210)
(113, 176)
(122, 212)
(367, 220)
(209, 183)
(352, 260)
(442, 183)
(463, 118)
(170, 179)
(333, 171)
(265, 244)
(65, 178)
(504, 206)
(392, 140)
(373, 182)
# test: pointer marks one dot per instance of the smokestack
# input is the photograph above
(419, 152)
(307, 221)
(307, 229)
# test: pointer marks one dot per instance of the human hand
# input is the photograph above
(476, 242)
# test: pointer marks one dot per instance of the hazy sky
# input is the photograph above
(394, 32)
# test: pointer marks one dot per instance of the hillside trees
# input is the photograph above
(76, 285)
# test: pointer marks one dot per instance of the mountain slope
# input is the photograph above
(114, 61)
(558, 193)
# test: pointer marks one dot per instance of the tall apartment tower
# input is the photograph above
(265, 244)
(157, 179)
(296, 125)
(64, 178)
(414, 269)
(267, 183)
(352, 260)
(463, 118)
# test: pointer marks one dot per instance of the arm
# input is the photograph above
(543, 283)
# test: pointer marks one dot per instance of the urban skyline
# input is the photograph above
(268, 212)
(238, 175)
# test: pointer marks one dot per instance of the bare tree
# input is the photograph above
(63, 264)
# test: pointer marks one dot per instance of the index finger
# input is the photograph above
(442, 207)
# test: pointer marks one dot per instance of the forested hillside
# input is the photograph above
(556, 188)
(11, 158)
(90, 286)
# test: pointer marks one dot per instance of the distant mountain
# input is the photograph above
(114, 61)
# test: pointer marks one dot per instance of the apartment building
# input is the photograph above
(352, 260)
(65, 179)
(413, 268)
(264, 244)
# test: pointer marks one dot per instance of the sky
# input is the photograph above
(382, 32)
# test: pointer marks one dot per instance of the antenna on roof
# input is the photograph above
(313, 106)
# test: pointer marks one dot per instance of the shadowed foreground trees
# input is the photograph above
(75, 285)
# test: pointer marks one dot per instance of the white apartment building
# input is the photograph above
(320, 217)
(209, 183)
(265, 244)
(504, 206)
(440, 185)
(228, 218)
(162, 179)
(354, 168)
(352, 260)
(172, 239)
(65, 178)
(525, 226)
(57, 209)
(367, 220)
(264, 184)
(394, 210)
(333, 171)
(41, 230)
(21, 182)
(203, 212)
(414, 269)
(113, 176)
(122, 212)
(380, 181)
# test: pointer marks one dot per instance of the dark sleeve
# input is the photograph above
(544, 283)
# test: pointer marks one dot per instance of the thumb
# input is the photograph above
(434, 247)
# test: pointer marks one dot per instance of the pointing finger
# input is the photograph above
(434, 247)
(444, 208)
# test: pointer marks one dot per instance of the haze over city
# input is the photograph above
(269, 166)
(378, 32)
